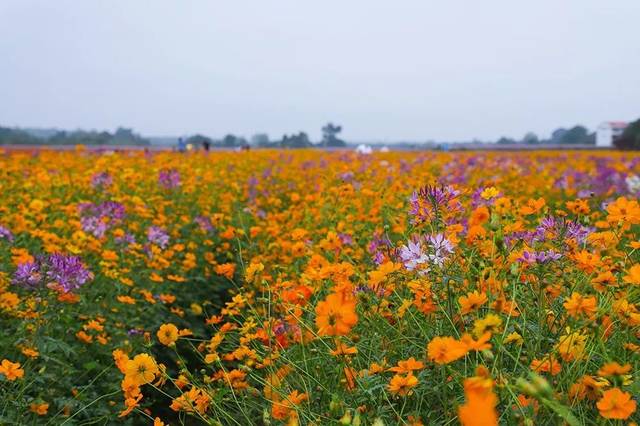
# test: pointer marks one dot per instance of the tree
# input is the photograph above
(506, 141)
(530, 138)
(301, 140)
(630, 138)
(329, 136)
(260, 139)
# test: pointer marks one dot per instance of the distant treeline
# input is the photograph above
(122, 136)
(300, 140)
(577, 135)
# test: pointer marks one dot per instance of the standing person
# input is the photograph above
(206, 145)
(182, 146)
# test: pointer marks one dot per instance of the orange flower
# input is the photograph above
(39, 409)
(623, 210)
(480, 402)
(121, 360)
(336, 315)
(476, 345)
(633, 275)
(472, 302)
(587, 387)
(403, 384)
(578, 305)
(616, 404)
(407, 366)
(547, 365)
(532, 206)
(167, 334)
(342, 349)
(11, 370)
(614, 369)
(443, 350)
(142, 369)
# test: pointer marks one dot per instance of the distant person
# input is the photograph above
(182, 146)
(206, 145)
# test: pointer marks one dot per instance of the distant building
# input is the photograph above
(609, 131)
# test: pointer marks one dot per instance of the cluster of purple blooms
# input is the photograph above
(97, 218)
(6, 234)
(532, 257)
(377, 244)
(66, 271)
(101, 180)
(157, 236)
(605, 180)
(422, 253)
(204, 223)
(551, 227)
(424, 203)
(169, 178)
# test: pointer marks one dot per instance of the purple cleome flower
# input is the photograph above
(96, 218)
(435, 251)
(28, 275)
(157, 236)
(6, 234)
(423, 203)
(67, 271)
(169, 179)
(102, 179)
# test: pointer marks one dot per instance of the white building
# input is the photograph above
(608, 131)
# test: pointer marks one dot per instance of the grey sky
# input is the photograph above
(394, 70)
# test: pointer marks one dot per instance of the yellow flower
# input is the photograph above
(167, 334)
(491, 323)
(141, 369)
(490, 193)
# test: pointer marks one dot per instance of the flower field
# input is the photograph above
(315, 288)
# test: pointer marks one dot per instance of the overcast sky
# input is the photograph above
(385, 70)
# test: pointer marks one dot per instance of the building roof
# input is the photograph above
(617, 124)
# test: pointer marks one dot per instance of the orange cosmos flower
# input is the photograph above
(39, 409)
(141, 369)
(402, 385)
(616, 404)
(336, 315)
(480, 402)
(407, 366)
(443, 350)
(623, 210)
(167, 334)
(547, 365)
(633, 275)
(11, 370)
(472, 302)
(614, 369)
(578, 305)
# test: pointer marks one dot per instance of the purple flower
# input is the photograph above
(68, 271)
(346, 239)
(169, 179)
(577, 232)
(423, 203)
(6, 234)
(205, 223)
(157, 236)
(96, 219)
(441, 247)
(28, 275)
(102, 179)
(412, 256)
(531, 257)
(94, 226)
